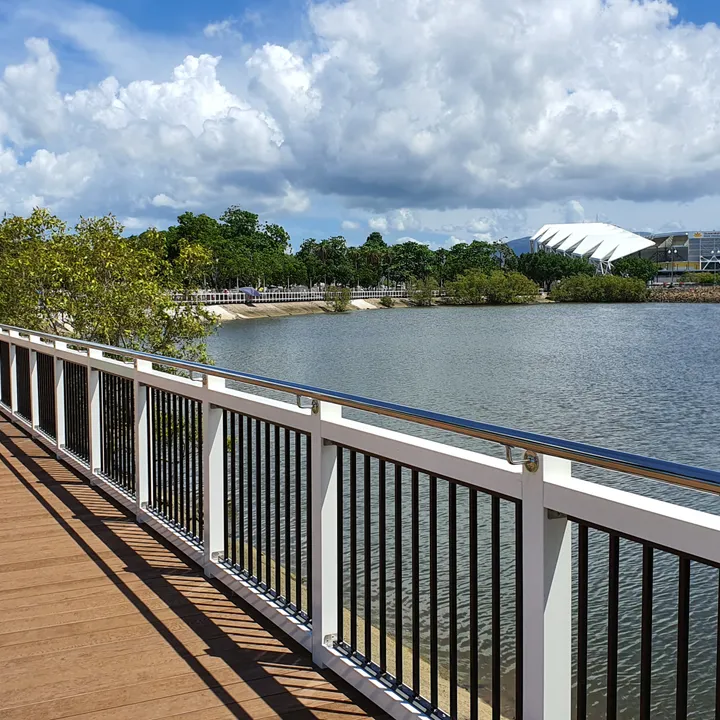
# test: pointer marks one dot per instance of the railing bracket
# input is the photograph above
(217, 556)
(330, 640)
(530, 459)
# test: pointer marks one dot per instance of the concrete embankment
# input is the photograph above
(271, 310)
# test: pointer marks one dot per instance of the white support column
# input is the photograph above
(213, 485)
(34, 394)
(59, 398)
(94, 410)
(323, 543)
(13, 373)
(142, 461)
(547, 600)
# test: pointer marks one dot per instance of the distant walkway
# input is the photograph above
(101, 620)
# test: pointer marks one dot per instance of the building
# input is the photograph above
(685, 251)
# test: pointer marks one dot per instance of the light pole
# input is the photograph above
(672, 252)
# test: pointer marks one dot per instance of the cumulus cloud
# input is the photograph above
(350, 225)
(443, 104)
(223, 27)
(574, 212)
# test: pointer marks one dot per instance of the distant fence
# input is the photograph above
(235, 298)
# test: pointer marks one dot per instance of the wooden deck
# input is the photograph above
(101, 620)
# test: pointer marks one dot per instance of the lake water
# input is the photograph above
(642, 378)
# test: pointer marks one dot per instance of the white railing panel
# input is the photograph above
(678, 528)
(481, 471)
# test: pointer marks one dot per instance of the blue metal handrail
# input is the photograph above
(664, 470)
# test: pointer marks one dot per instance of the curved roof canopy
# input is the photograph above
(596, 241)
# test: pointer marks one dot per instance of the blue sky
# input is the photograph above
(440, 121)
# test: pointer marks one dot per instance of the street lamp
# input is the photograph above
(672, 252)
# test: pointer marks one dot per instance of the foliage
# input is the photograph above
(600, 288)
(635, 267)
(95, 284)
(701, 278)
(387, 302)
(475, 287)
(545, 268)
(337, 298)
(422, 291)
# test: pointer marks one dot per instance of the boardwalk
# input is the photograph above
(99, 619)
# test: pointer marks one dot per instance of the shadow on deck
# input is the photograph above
(101, 619)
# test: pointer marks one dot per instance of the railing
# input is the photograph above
(436, 580)
(279, 296)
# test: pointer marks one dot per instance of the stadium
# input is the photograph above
(676, 252)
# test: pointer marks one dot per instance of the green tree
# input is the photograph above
(600, 288)
(545, 268)
(635, 267)
(422, 291)
(95, 284)
(338, 298)
(410, 260)
(495, 288)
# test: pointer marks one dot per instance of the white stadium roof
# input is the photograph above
(596, 241)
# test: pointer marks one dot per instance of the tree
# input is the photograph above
(635, 267)
(337, 298)
(94, 284)
(410, 260)
(600, 288)
(422, 291)
(545, 268)
(495, 288)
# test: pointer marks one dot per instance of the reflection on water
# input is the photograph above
(644, 379)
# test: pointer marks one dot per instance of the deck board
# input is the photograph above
(100, 619)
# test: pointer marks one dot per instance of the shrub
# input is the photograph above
(701, 278)
(337, 298)
(422, 291)
(600, 288)
(386, 301)
(635, 267)
(497, 288)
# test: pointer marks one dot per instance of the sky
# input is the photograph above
(435, 120)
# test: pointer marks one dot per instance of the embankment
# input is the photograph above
(271, 310)
(700, 294)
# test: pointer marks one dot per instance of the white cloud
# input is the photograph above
(222, 27)
(398, 108)
(574, 212)
(350, 225)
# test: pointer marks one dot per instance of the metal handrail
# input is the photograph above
(664, 470)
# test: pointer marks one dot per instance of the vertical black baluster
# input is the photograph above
(181, 430)
(353, 551)
(433, 595)
(116, 449)
(452, 551)
(233, 489)
(151, 445)
(382, 565)
(175, 474)
(228, 486)
(298, 524)
(582, 622)
(367, 560)
(288, 558)
(398, 576)
(201, 490)
(646, 634)
(160, 432)
(168, 456)
(241, 492)
(415, 552)
(191, 499)
(258, 499)
(717, 656)
(277, 555)
(196, 480)
(268, 522)
(340, 547)
(496, 649)
(519, 639)
(683, 638)
(187, 473)
(613, 602)
(308, 523)
(251, 539)
(474, 674)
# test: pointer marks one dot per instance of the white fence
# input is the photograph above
(280, 296)
(362, 495)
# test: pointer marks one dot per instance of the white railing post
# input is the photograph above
(34, 394)
(213, 485)
(142, 461)
(547, 599)
(13, 373)
(59, 398)
(94, 410)
(323, 543)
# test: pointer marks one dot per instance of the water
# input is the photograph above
(641, 378)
